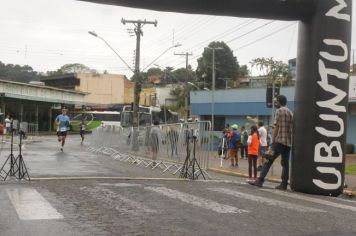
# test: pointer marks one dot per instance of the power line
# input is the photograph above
(222, 35)
(266, 36)
(251, 31)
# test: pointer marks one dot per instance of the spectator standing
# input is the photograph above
(8, 122)
(155, 136)
(253, 146)
(15, 125)
(263, 144)
(244, 145)
(281, 142)
(233, 144)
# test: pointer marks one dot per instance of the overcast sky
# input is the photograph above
(47, 34)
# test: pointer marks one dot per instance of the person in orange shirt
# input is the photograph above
(253, 142)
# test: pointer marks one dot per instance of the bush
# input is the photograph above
(350, 148)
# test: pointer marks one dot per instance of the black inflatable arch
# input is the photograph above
(321, 101)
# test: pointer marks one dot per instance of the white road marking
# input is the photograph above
(268, 201)
(196, 201)
(118, 201)
(311, 199)
(121, 184)
(30, 205)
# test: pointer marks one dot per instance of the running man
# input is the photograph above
(62, 121)
(82, 130)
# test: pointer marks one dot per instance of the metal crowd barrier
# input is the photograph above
(31, 129)
(166, 147)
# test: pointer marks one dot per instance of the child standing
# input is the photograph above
(233, 146)
(253, 146)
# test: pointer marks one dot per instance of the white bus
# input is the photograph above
(147, 115)
(93, 119)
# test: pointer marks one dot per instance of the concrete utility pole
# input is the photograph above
(187, 54)
(213, 88)
(138, 31)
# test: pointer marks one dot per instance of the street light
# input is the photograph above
(194, 85)
(213, 88)
(96, 35)
(173, 46)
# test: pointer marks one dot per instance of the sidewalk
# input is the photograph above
(274, 175)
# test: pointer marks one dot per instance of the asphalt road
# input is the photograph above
(115, 198)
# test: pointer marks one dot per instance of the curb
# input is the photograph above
(239, 174)
(348, 192)
(103, 178)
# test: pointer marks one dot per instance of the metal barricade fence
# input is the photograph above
(31, 129)
(165, 146)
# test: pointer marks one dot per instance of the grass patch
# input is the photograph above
(90, 125)
(350, 169)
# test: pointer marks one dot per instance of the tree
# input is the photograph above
(243, 71)
(17, 73)
(184, 75)
(154, 71)
(276, 72)
(72, 68)
(226, 65)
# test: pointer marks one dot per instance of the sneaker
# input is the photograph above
(258, 182)
(281, 186)
(249, 179)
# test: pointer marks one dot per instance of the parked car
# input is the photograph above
(1, 129)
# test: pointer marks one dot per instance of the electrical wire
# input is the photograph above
(266, 36)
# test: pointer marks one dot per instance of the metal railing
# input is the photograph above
(31, 129)
(167, 147)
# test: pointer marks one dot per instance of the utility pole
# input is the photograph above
(213, 88)
(187, 54)
(138, 31)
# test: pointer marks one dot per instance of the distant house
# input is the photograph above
(155, 79)
(103, 90)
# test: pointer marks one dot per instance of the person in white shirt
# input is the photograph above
(263, 144)
(8, 122)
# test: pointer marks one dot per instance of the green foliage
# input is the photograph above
(226, 65)
(276, 71)
(90, 125)
(243, 71)
(350, 148)
(350, 169)
(18, 73)
(72, 68)
(180, 93)
(154, 71)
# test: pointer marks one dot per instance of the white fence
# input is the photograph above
(173, 147)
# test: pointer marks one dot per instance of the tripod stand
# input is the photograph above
(188, 169)
(21, 167)
(3, 173)
(17, 166)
